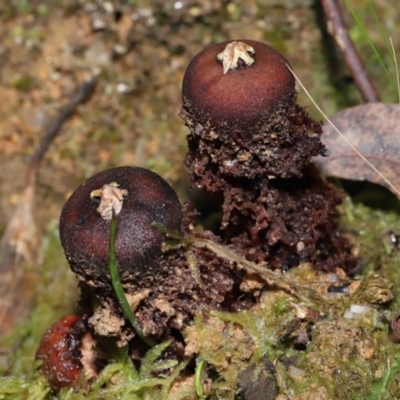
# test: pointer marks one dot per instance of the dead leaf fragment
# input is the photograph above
(374, 130)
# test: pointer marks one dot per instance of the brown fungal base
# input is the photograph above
(279, 146)
(286, 222)
(164, 289)
(165, 299)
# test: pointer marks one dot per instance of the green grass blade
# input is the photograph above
(381, 31)
(396, 67)
(388, 44)
(116, 283)
(198, 379)
(370, 42)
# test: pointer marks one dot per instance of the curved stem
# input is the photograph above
(117, 285)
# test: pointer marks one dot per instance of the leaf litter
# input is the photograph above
(374, 129)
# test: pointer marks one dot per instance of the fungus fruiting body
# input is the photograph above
(139, 197)
(251, 144)
(66, 353)
(161, 287)
(237, 83)
(245, 122)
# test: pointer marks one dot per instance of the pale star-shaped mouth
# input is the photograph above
(111, 197)
(231, 54)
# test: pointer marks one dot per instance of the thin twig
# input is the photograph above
(338, 29)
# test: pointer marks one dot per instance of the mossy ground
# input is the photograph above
(356, 353)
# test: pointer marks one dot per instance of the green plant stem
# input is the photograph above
(117, 285)
(197, 380)
(388, 42)
(381, 388)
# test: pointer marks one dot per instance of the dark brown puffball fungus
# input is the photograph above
(84, 232)
(245, 122)
(250, 144)
(162, 288)
(242, 96)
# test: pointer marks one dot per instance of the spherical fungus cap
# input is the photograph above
(246, 93)
(84, 233)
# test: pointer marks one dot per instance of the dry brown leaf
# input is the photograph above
(374, 130)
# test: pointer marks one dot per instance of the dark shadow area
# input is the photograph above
(369, 194)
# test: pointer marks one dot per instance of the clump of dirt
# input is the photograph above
(171, 293)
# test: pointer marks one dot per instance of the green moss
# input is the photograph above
(345, 357)
(23, 83)
(42, 10)
(119, 380)
(12, 388)
(374, 231)
(23, 6)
